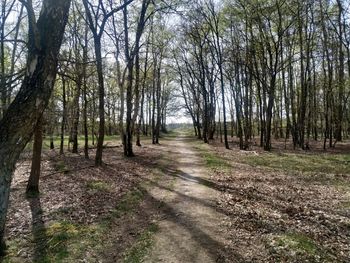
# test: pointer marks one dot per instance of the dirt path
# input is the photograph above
(190, 230)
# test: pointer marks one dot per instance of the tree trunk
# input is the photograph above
(101, 100)
(339, 127)
(85, 105)
(73, 137)
(33, 182)
(64, 103)
(16, 126)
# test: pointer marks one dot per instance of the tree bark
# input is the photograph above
(64, 103)
(17, 125)
(33, 182)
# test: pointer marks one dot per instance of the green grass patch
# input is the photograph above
(127, 204)
(142, 246)
(13, 250)
(57, 237)
(301, 247)
(130, 200)
(98, 186)
(212, 160)
(322, 163)
(63, 241)
(297, 242)
(179, 132)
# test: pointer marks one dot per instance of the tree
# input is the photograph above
(213, 20)
(33, 181)
(133, 64)
(97, 30)
(19, 121)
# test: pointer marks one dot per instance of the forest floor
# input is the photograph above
(183, 201)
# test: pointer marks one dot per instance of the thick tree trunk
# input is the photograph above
(18, 123)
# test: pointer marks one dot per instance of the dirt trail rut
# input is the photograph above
(190, 230)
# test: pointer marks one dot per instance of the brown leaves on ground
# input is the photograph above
(286, 214)
(284, 206)
(73, 190)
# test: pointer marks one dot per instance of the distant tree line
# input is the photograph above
(277, 69)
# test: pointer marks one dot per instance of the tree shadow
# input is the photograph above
(214, 248)
(174, 172)
(38, 229)
(199, 201)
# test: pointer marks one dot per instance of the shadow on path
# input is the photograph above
(214, 248)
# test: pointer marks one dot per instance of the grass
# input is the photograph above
(294, 243)
(98, 186)
(52, 244)
(212, 160)
(298, 242)
(127, 204)
(57, 236)
(180, 131)
(142, 246)
(65, 241)
(174, 133)
(318, 163)
(131, 200)
(13, 248)
(215, 162)
(81, 141)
